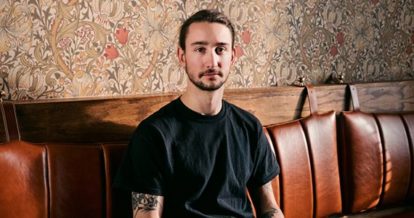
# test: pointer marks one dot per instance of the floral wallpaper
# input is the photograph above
(79, 48)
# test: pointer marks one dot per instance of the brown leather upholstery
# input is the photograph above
(377, 159)
(57, 180)
(118, 202)
(23, 181)
(307, 154)
(76, 178)
(309, 182)
(397, 162)
(409, 123)
(275, 181)
(296, 186)
(362, 162)
(320, 132)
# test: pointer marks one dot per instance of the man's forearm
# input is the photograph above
(265, 202)
(146, 205)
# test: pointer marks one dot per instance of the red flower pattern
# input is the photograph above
(239, 51)
(333, 51)
(111, 52)
(121, 35)
(246, 36)
(340, 38)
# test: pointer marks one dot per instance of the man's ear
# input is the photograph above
(181, 56)
(233, 56)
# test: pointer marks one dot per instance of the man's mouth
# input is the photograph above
(211, 73)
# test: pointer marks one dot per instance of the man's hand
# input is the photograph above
(265, 202)
(146, 205)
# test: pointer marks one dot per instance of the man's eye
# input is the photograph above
(201, 50)
(219, 50)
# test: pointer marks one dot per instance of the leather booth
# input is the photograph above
(333, 164)
(61, 180)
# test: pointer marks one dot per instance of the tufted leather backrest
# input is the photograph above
(409, 123)
(377, 158)
(118, 202)
(362, 161)
(24, 187)
(76, 178)
(307, 153)
(58, 180)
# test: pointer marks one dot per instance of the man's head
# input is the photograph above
(206, 50)
(210, 16)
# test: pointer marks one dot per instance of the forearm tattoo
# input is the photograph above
(144, 202)
(270, 213)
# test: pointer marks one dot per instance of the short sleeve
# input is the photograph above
(265, 166)
(143, 167)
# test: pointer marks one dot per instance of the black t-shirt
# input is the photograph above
(202, 165)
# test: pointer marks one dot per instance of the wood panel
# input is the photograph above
(2, 129)
(103, 120)
(10, 128)
(114, 119)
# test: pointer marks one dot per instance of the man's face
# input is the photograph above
(208, 55)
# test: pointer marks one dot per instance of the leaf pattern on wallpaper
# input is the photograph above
(79, 48)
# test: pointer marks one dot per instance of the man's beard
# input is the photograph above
(205, 87)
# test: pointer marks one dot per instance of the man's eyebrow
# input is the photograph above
(222, 43)
(200, 43)
(206, 43)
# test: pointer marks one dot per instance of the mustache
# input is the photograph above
(211, 71)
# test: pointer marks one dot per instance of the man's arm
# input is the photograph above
(146, 205)
(265, 202)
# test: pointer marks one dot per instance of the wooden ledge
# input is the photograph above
(115, 118)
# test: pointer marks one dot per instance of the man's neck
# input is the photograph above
(203, 102)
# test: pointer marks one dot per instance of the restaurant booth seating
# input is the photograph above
(334, 163)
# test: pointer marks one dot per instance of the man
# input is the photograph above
(197, 156)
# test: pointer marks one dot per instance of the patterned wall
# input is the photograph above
(79, 48)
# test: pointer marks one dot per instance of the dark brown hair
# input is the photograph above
(211, 16)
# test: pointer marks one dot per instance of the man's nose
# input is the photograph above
(211, 59)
